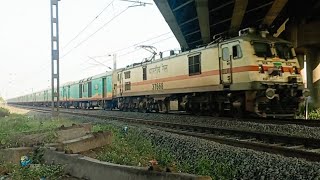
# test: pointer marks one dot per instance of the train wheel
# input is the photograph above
(214, 113)
(237, 113)
(196, 109)
(143, 108)
(237, 110)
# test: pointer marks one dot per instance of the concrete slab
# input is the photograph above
(72, 132)
(60, 134)
(88, 168)
(13, 155)
(84, 143)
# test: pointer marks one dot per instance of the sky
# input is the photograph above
(25, 40)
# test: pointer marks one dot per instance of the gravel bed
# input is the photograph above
(226, 162)
(288, 129)
(237, 163)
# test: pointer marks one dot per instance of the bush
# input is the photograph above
(315, 114)
(32, 173)
(4, 112)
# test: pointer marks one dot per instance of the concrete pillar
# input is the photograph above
(316, 77)
(301, 59)
(203, 17)
(313, 74)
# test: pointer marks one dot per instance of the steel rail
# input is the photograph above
(292, 146)
(277, 121)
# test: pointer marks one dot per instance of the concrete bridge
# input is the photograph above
(195, 22)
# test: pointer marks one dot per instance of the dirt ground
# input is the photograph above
(15, 110)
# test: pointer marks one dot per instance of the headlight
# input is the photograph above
(306, 92)
(295, 70)
(261, 70)
(270, 93)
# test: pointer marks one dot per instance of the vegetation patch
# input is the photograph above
(15, 128)
(190, 155)
(34, 172)
(4, 112)
(126, 148)
(315, 114)
(136, 149)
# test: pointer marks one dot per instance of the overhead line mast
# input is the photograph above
(55, 89)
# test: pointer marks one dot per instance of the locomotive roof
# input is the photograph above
(247, 37)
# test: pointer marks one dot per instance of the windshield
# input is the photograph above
(283, 50)
(262, 49)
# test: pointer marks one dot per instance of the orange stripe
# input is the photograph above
(205, 74)
(177, 78)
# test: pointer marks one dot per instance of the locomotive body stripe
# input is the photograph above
(206, 73)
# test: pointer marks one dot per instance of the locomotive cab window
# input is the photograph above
(262, 49)
(225, 54)
(236, 52)
(284, 51)
(194, 65)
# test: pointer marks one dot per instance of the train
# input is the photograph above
(253, 73)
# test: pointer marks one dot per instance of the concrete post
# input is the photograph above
(316, 77)
(313, 74)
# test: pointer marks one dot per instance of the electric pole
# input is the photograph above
(55, 90)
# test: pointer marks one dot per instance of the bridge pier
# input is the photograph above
(313, 74)
(306, 40)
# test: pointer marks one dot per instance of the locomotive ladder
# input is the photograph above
(54, 58)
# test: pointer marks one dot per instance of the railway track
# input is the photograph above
(300, 147)
(301, 122)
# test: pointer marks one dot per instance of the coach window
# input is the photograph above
(127, 75)
(194, 65)
(236, 52)
(144, 69)
(127, 86)
(225, 54)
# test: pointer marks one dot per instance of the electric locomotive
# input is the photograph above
(252, 73)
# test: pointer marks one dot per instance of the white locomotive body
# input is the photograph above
(249, 73)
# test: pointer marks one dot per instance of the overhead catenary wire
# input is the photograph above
(94, 66)
(88, 25)
(87, 38)
(130, 52)
(133, 45)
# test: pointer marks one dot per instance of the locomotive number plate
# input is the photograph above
(157, 86)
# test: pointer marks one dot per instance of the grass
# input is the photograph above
(4, 112)
(130, 149)
(315, 114)
(137, 150)
(33, 172)
(15, 125)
